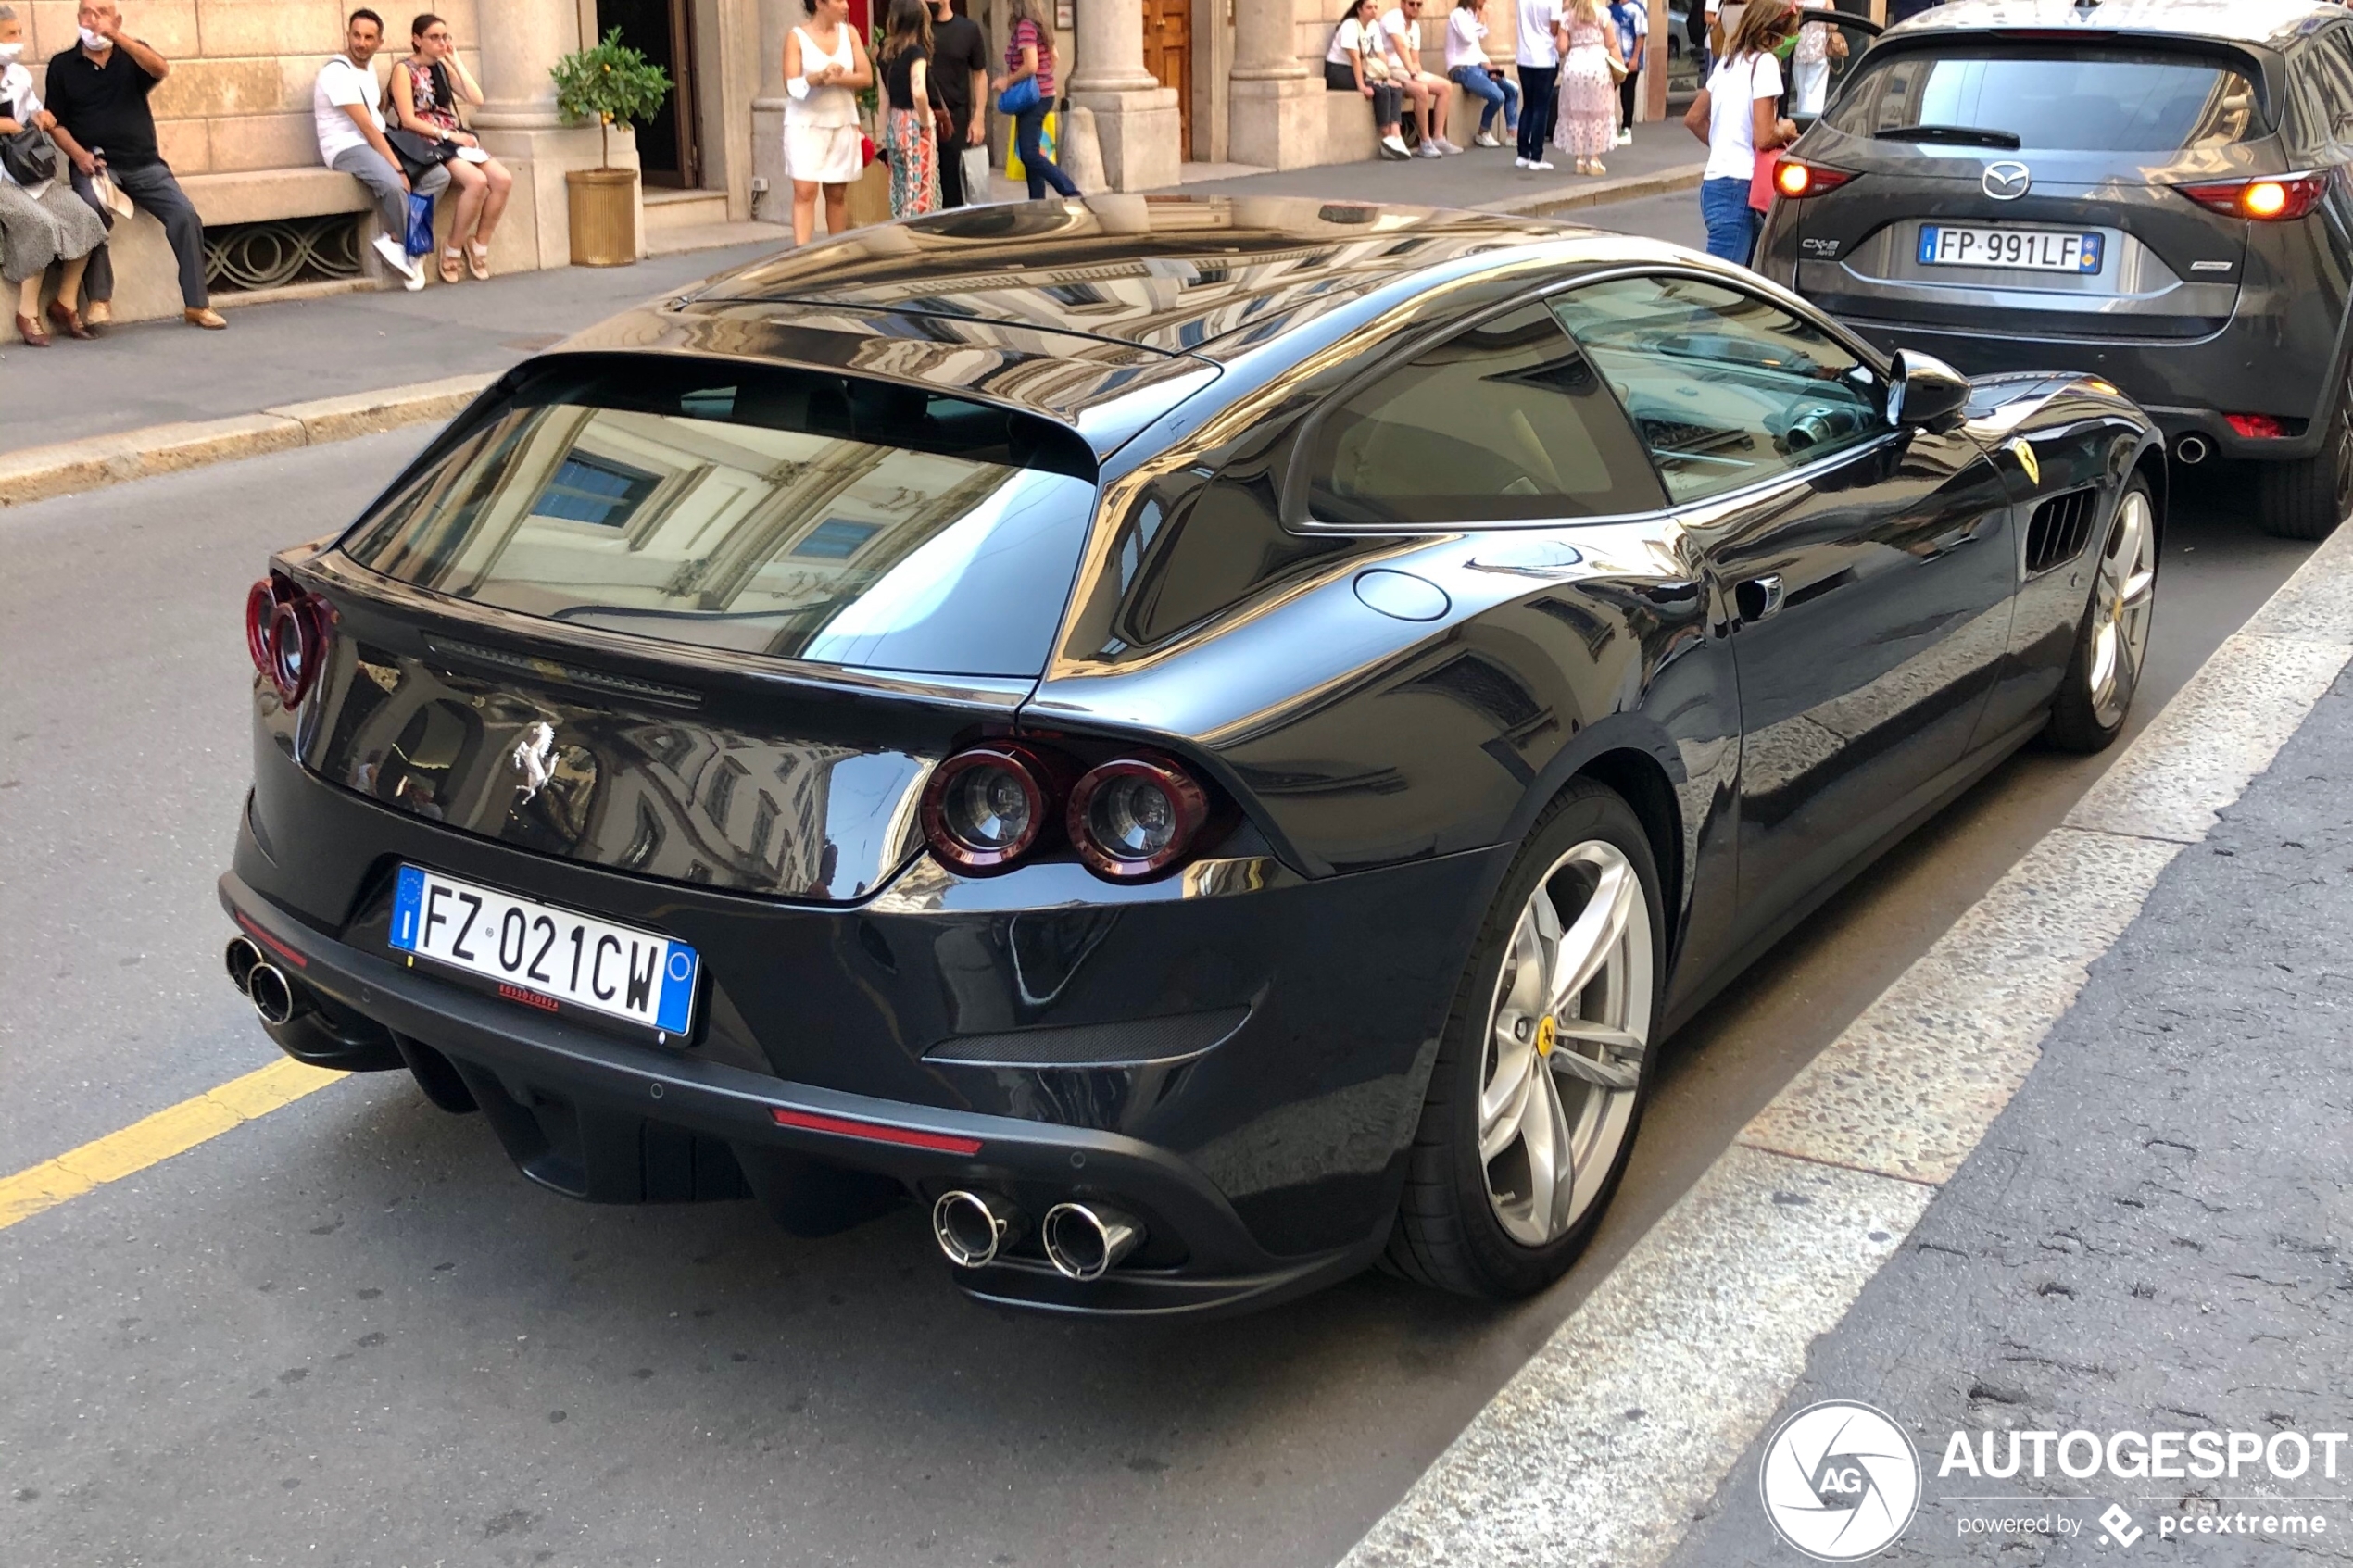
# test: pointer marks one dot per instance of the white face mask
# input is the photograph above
(10, 53)
(94, 40)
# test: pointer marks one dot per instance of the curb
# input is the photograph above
(1621, 1427)
(1618, 188)
(67, 467)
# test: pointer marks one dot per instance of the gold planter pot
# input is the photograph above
(603, 216)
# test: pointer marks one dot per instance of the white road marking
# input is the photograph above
(1703, 1328)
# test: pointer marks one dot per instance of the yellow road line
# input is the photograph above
(151, 1140)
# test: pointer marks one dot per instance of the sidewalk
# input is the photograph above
(1482, 176)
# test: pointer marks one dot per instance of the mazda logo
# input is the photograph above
(2007, 182)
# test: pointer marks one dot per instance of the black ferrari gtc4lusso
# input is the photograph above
(1208, 741)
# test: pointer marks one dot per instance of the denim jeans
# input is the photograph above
(1732, 222)
(1540, 84)
(1029, 129)
(1500, 93)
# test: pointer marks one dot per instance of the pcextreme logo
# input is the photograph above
(1840, 1481)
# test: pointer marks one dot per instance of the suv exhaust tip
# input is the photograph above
(2192, 450)
(1086, 1241)
(972, 1227)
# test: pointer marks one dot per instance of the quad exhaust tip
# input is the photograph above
(973, 1227)
(1086, 1241)
(242, 958)
(273, 994)
(2191, 450)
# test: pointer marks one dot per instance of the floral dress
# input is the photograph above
(1587, 125)
(424, 93)
(914, 157)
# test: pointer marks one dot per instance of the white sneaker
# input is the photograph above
(1428, 149)
(1445, 146)
(1625, 138)
(1519, 162)
(415, 281)
(397, 259)
(1540, 164)
(1485, 138)
(1394, 146)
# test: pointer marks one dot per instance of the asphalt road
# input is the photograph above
(350, 1333)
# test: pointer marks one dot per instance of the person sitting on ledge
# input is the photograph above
(351, 139)
(98, 92)
(426, 89)
(40, 221)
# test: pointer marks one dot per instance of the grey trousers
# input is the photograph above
(368, 166)
(153, 190)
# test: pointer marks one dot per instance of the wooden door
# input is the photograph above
(664, 31)
(1168, 55)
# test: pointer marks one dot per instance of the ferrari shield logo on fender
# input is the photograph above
(534, 758)
(2023, 450)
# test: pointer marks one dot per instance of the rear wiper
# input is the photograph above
(1956, 135)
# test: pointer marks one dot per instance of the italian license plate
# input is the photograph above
(2019, 250)
(541, 955)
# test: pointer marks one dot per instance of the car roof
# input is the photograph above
(1207, 275)
(1102, 314)
(2273, 23)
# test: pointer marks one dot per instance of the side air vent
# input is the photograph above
(2060, 527)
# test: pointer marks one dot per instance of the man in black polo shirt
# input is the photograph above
(98, 90)
(959, 87)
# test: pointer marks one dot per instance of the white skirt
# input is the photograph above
(823, 153)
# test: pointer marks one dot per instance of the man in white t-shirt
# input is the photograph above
(1538, 55)
(345, 103)
(1433, 95)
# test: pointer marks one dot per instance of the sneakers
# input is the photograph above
(1428, 149)
(1393, 148)
(1519, 162)
(1625, 138)
(1445, 147)
(1485, 138)
(1540, 165)
(397, 259)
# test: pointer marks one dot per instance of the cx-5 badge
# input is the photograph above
(534, 758)
(2007, 182)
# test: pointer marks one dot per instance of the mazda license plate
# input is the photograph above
(2017, 250)
(541, 955)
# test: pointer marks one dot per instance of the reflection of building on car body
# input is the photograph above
(1215, 762)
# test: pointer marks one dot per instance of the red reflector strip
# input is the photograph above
(2257, 427)
(273, 944)
(529, 999)
(875, 1132)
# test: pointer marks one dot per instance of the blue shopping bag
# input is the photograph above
(420, 242)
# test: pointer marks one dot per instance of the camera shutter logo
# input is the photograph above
(1840, 1481)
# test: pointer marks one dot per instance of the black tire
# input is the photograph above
(2077, 724)
(1447, 1234)
(2307, 498)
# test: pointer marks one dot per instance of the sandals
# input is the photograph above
(452, 266)
(478, 260)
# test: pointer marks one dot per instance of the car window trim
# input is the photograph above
(1291, 509)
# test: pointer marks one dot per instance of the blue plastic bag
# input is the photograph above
(420, 242)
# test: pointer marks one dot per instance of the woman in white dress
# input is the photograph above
(825, 65)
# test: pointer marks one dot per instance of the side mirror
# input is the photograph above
(1924, 391)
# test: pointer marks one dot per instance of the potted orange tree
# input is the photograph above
(611, 85)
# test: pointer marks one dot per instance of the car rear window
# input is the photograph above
(2056, 98)
(803, 515)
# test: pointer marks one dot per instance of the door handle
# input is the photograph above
(1759, 597)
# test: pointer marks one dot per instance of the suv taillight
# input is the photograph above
(2274, 198)
(991, 807)
(286, 633)
(1796, 178)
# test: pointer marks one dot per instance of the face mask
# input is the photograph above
(94, 41)
(10, 53)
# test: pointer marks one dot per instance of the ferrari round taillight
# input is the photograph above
(286, 636)
(1132, 818)
(985, 807)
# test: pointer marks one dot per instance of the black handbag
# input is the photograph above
(28, 156)
(419, 155)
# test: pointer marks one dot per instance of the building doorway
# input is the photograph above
(1168, 55)
(664, 31)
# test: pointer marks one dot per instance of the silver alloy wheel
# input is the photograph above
(2121, 602)
(1567, 1032)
